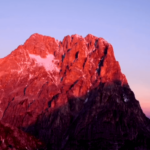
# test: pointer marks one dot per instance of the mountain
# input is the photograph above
(71, 95)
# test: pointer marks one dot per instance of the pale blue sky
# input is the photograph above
(123, 23)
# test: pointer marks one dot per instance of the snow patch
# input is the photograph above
(84, 76)
(30, 76)
(57, 42)
(125, 98)
(78, 36)
(86, 100)
(117, 100)
(48, 63)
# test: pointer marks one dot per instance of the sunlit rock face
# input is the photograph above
(71, 95)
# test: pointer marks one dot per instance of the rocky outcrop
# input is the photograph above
(13, 138)
(71, 95)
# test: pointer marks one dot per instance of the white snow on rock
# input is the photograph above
(125, 98)
(78, 36)
(86, 100)
(48, 63)
(57, 41)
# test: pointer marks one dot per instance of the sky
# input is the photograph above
(123, 23)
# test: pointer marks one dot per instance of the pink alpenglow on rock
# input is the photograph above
(71, 94)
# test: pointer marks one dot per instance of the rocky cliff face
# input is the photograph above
(71, 95)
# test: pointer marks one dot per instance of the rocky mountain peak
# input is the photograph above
(48, 87)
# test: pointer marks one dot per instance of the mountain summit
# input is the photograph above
(71, 95)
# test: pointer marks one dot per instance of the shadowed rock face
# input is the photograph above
(13, 138)
(71, 95)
